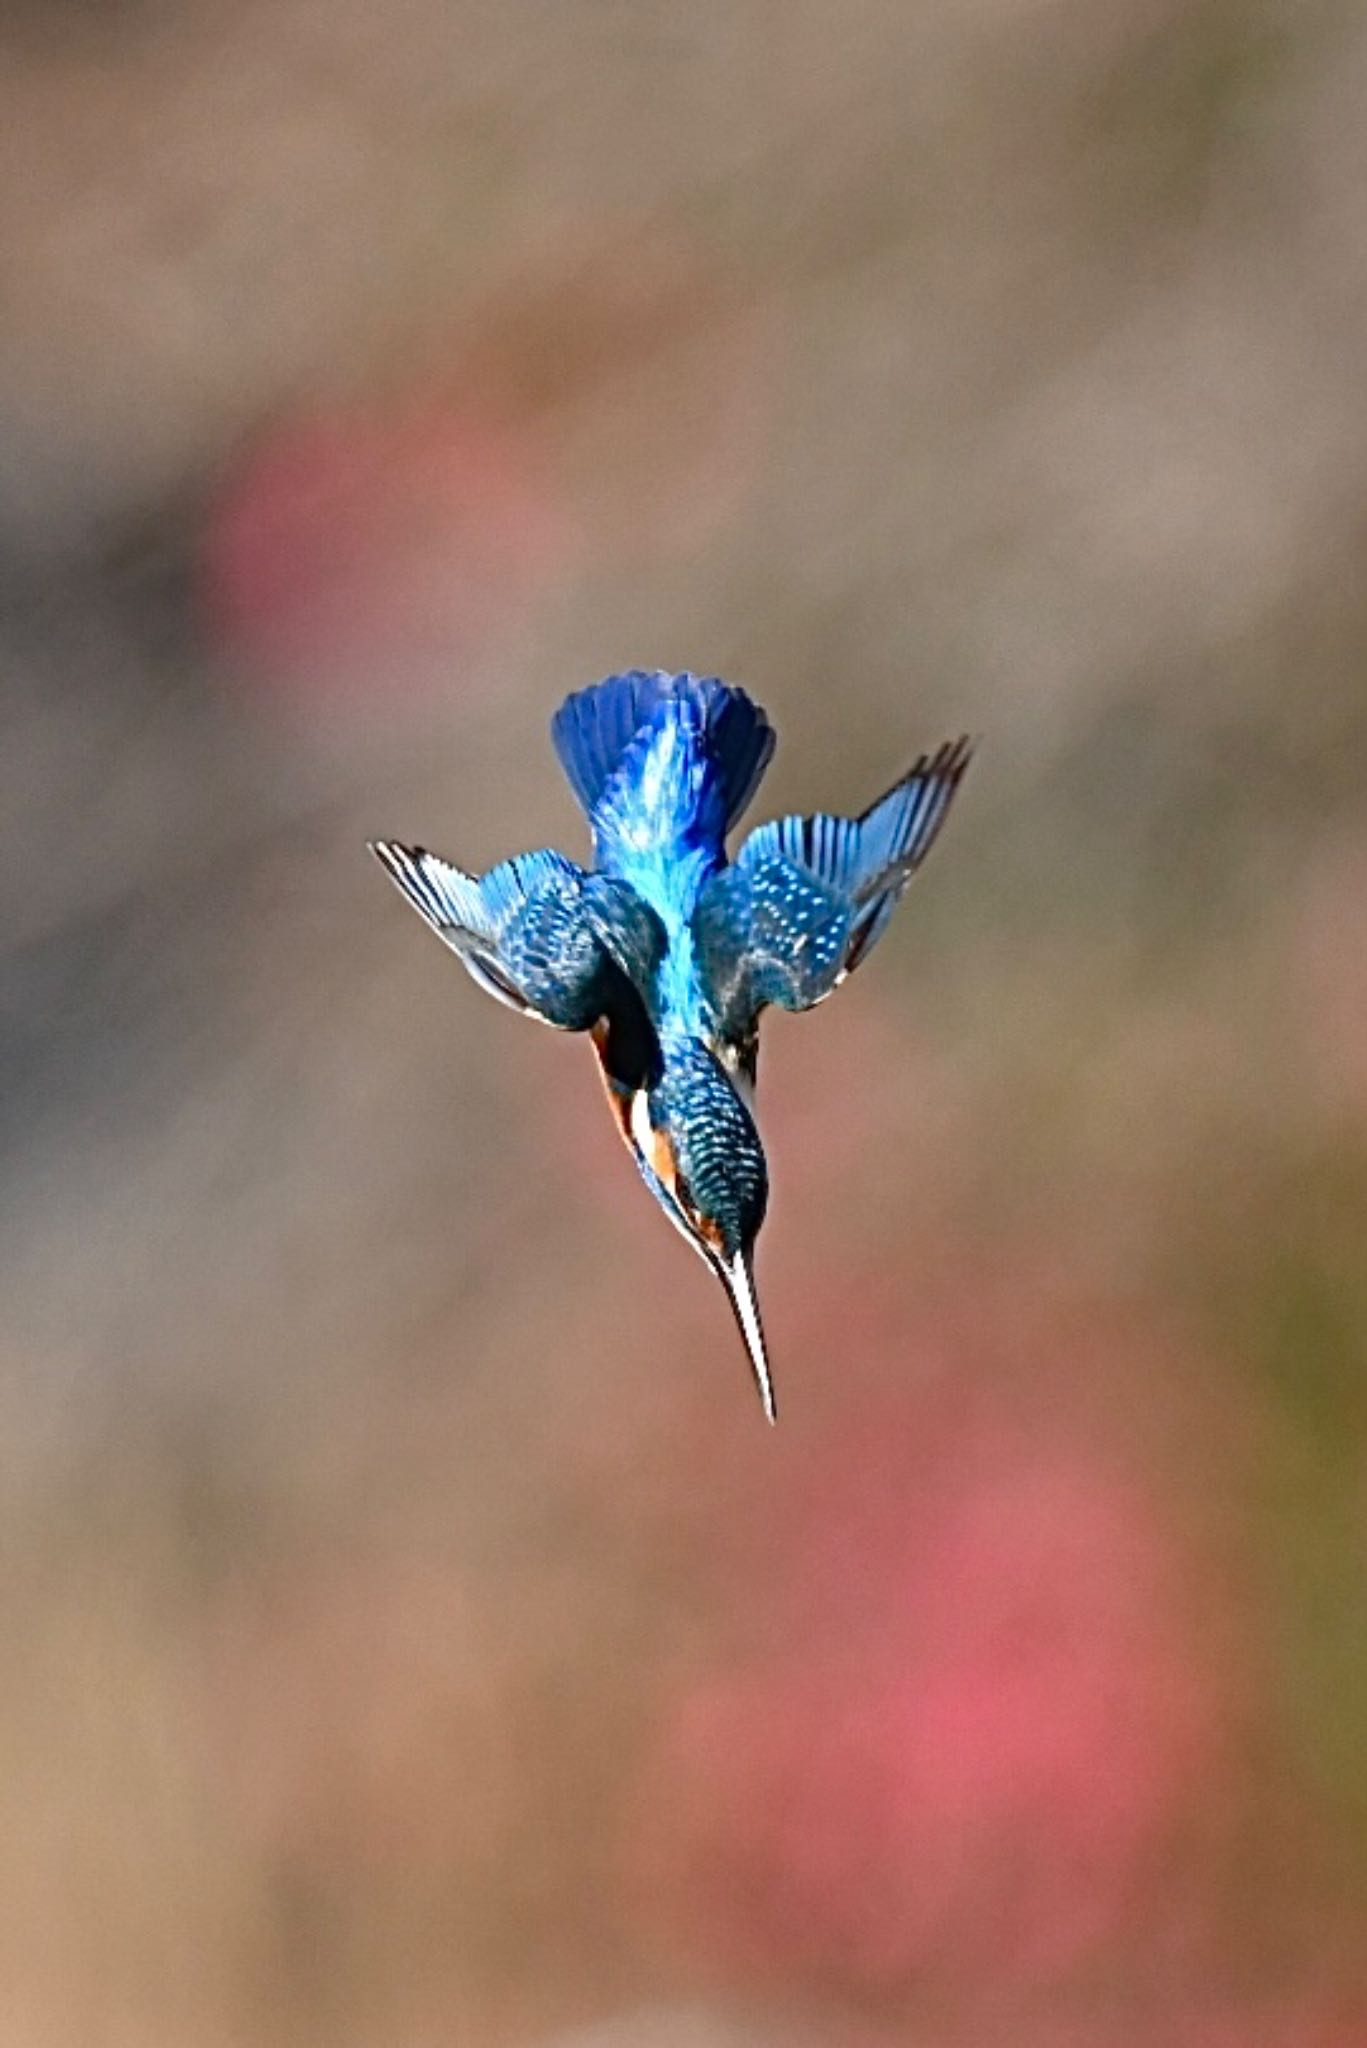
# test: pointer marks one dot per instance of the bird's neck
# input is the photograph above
(660, 828)
(669, 875)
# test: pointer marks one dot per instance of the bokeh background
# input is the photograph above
(412, 1636)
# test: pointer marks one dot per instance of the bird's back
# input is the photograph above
(663, 765)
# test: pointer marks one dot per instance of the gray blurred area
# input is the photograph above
(412, 1636)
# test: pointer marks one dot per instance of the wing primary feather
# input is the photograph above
(541, 935)
(445, 896)
(927, 788)
(808, 897)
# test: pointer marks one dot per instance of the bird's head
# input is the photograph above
(698, 1148)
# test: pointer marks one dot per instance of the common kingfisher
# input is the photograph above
(665, 952)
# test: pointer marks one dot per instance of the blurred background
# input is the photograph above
(413, 1638)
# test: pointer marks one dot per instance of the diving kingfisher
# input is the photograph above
(665, 952)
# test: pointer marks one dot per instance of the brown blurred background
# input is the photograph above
(412, 1636)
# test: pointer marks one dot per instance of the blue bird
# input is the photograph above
(665, 952)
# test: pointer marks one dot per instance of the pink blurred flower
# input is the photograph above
(985, 1728)
(614, 408)
(353, 546)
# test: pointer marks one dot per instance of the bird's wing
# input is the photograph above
(807, 898)
(536, 931)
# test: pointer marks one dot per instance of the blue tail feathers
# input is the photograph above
(594, 728)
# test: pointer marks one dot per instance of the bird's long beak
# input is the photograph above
(739, 1281)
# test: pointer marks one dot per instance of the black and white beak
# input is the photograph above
(737, 1276)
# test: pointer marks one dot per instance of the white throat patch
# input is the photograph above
(642, 1130)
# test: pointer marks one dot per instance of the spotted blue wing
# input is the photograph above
(808, 897)
(536, 932)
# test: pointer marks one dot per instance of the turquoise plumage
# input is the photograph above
(666, 952)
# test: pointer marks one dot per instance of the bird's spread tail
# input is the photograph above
(594, 729)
